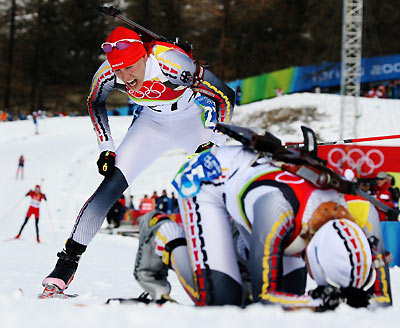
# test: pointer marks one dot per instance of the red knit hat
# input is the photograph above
(122, 58)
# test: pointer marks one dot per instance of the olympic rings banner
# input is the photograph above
(365, 161)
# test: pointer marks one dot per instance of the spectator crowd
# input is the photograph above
(129, 210)
(382, 187)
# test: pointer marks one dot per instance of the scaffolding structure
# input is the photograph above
(351, 67)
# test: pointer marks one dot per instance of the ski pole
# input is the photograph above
(12, 210)
(345, 141)
(116, 13)
(51, 220)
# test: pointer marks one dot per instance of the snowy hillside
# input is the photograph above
(62, 158)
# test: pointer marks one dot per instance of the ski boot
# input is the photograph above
(60, 278)
(53, 291)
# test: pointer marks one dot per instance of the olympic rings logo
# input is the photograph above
(154, 91)
(363, 163)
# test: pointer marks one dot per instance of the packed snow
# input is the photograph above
(62, 158)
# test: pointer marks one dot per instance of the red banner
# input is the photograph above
(364, 161)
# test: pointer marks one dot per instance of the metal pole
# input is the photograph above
(351, 66)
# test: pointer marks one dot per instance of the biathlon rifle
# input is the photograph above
(145, 34)
(302, 161)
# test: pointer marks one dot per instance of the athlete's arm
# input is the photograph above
(103, 83)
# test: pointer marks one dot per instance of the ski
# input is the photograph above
(143, 299)
(13, 238)
(118, 300)
(52, 291)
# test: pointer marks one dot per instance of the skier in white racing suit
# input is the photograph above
(283, 220)
(180, 103)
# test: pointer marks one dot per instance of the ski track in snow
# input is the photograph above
(64, 155)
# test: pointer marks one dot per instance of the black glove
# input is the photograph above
(330, 297)
(106, 162)
(204, 146)
(356, 297)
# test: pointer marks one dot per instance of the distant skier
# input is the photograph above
(35, 116)
(20, 169)
(33, 209)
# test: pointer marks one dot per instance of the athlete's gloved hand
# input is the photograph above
(204, 146)
(356, 297)
(106, 162)
(209, 115)
(329, 295)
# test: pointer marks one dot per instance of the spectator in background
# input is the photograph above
(21, 116)
(131, 203)
(116, 212)
(396, 89)
(154, 198)
(3, 116)
(20, 168)
(146, 205)
(174, 203)
(279, 92)
(162, 203)
(238, 98)
(371, 93)
(394, 191)
(381, 91)
(365, 186)
(35, 121)
(383, 194)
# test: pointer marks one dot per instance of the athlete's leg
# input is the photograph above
(141, 146)
(23, 226)
(273, 221)
(210, 244)
(37, 228)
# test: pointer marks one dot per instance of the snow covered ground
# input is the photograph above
(63, 159)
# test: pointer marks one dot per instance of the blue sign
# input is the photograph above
(328, 74)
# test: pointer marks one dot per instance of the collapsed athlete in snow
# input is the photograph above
(284, 221)
(180, 103)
